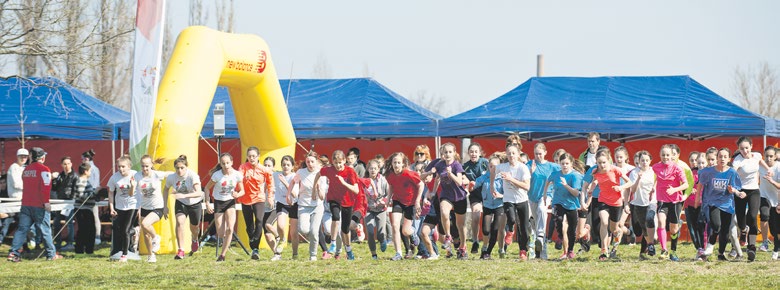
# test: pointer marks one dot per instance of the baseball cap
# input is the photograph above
(22, 151)
(37, 153)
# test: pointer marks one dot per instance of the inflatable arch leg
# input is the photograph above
(203, 59)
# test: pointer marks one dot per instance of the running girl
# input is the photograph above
(225, 195)
(493, 218)
(643, 205)
(771, 195)
(718, 185)
(406, 193)
(376, 217)
(475, 167)
(516, 177)
(566, 201)
(621, 163)
(342, 192)
(747, 163)
(541, 170)
(286, 207)
(693, 211)
(122, 204)
(613, 199)
(189, 197)
(449, 174)
(148, 183)
(671, 183)
(258, 187)
(310, 207)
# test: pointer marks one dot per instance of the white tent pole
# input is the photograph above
(113, 155)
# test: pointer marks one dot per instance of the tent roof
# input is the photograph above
(339, 108)
(56, 110)
(551, 108)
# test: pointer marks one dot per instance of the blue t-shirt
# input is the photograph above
(588, 177)
(715, 188)
(539, 178)
(563, 196)
(483, 184)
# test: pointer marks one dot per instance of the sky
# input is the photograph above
(470, 52)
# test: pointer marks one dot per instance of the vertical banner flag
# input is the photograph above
(149, 25)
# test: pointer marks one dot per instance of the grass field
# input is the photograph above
(201, 271)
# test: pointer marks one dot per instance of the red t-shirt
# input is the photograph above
(404, 186)
(361, 203)
(606, 181)
(336, 191)
(36, 178)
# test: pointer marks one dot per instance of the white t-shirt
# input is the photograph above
(225, 185)
(512, 193)
(14, 180)
(590, 159)
(121, 184)
(768, 190)
(644, 188)
(150, 189)
(306, 186)
(185, 184)
(748, 170)
(94, 176)
(280, 192)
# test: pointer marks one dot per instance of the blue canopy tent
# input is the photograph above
(53, 109)
(341, 108)
(621, 108)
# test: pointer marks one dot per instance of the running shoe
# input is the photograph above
(673, 256)
(332, 248)
(603, 257)
(523, 255)
(482, 255)
(462, 254)
(571, 255)
(563, 257)
(751, 253)
(156, 244)
(733, 253)
(221, 258)
(651, 250)
(585, 245)
(280, 247)
(361, 236)
(643, 257)
(613, 251)
(383, 246)
(397, 257)
(764, 246)
(486, 257)
(57, 257)
(558, 245)
(337, 256)
(255, 254)
(501, 254)
(434, 256)
(70, 248)
(152, 258)
(775, 255)
(312, 258)
(664, 255)
(194, 246)
(122, 259)
(743, 236)
(447, 245)
(350, 255)
(700, 255)
(531, 255)
(276, 257)
(508, 238)
(722, 257)
(326, 255)
(374, 257)
(475, 248)
(179, 255)
(709, 249)
(538, 246)
(14, 258)
(409, 254)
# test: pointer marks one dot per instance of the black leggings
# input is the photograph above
(253, 218)
(341, 213)
(121, 229)
(746, 210)
(85, 237)
(571, 218)
(695, 226)
(517, 213)
(774, 227)
(490, 225)
(719, 223)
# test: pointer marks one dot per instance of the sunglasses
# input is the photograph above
(419, 153)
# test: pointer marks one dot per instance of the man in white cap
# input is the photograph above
(15, 174)
(36, 209)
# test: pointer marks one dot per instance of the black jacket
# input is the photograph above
(62, 186)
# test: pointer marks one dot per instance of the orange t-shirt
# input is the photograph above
(254, 179)
(606, 181)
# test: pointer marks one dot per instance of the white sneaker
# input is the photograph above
(276, 257)
(774, 255)
(708, 250)
(433, 257)
(313, 258)
(156, 244)
(733, 253)
(31, 244)
(97, 241)
(152, 258)
(123, 259)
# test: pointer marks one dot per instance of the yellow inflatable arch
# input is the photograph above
(202, 60)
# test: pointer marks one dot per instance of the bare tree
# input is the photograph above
(198, 14)
(111, 70)
(758, 89)
(225, 15)
(322, 68)
(433, 102)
